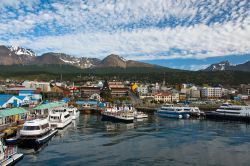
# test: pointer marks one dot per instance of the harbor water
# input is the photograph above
(153, 141)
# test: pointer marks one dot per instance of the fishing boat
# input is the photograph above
(230, 112)
(119, 114)
(170, 111)
(74, 112)
(59, 119)
(9, 155)
(35, 133)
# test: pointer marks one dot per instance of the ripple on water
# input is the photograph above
(155, 141)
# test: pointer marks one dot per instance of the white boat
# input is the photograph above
(9, 155)
(233, 110)
(170, 111)
(119, 114)
(74, 112)
(193, 111)
(35, 132)
(140, 115)
(59, 119)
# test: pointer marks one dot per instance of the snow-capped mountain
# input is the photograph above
(60, 58)
(226, 65)
(21, 51)
(221, 66)
(15, 55)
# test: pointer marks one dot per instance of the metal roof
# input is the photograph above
(12, 111)
(49, 105)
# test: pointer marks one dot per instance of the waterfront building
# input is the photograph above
(12, 115)
(44, 109)
(211, 92)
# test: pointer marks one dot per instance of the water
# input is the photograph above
(155, 141)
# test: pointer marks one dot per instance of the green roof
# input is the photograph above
(49, 105)
(12, 111)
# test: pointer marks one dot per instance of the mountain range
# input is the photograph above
(17, 55)
(10, 55)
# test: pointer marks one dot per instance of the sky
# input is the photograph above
(184, 34)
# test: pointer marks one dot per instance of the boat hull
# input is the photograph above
(218, 116)
(13, 160)
(60, 125)
(115, 119)
(33, 142)
(177, 115)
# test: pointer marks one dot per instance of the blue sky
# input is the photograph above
(187, 34)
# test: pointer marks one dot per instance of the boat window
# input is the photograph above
(31, 128)
(54, 117)
(66, 116)
(45, 126)
(232, 108)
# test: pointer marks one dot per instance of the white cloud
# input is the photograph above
(130, 28)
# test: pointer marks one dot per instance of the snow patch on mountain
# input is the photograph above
(21, 51)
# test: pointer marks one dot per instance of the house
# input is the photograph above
(7, 101)
(88, 91)
(142, 89)
(12, 115)
(164, 97)
(58, 92)
(24, 100)
(43, 86)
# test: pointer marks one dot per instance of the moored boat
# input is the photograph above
(59, 119)
(230, 112)
(74, 112)
(171, 111)
(119, 114)
(9, 155)
(35, 132)
(193, 111)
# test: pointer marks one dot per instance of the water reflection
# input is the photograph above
(153, 141)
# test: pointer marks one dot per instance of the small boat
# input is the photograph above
(193, 111)
(228, 111)
(140, 115)
(59, 119)
(170, 111)
(74, 112)
(118, 114)
(9, 155)
(35, 133)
